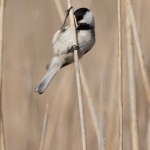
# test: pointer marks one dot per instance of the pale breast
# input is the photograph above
(63, 41)
(86, 40)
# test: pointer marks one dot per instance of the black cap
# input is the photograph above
(79, 13)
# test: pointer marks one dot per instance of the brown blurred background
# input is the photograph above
(29, 26)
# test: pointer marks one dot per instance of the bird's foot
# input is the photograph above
(74, 47)
(67, 14)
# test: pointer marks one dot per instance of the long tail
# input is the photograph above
(55, 66)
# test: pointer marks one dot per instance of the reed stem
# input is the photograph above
(80, 97)
(2, 141)
(132, 84)
(139, 49)
(120, 77)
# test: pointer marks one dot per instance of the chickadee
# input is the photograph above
(63, 47)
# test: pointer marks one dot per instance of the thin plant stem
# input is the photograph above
(132, 85)
(148, 129)
(91, 106)
(44, 128)
(120, 77)
(139, 49)
(84, 83)
(80, 97)
(2, 140)
(101, 112)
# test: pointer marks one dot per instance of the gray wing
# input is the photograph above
(62, 41)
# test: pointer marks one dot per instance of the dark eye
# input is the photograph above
(79, 17)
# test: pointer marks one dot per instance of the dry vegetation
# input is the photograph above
(51, 121)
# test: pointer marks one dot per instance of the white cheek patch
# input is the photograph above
(89, 18)
(82, 21)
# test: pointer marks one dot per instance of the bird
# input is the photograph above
(63, 47)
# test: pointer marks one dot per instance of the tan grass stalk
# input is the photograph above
(111, 111)
(91, 106)
(44, 128)
(132, 84)
(120, 77)
(101, 109)
(2, 141)
(139, 49)
(80, 98)
(84, 83)
(148, 129)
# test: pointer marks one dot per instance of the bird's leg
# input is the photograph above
(67, 14)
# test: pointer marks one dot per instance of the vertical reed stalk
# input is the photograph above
(132, 85)
(84, 83)
(139, 49)
(2, 142)
(148, 129)
(80, 98)
(91, 107)
(44, 128)
(101, 109)
(120, 77)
